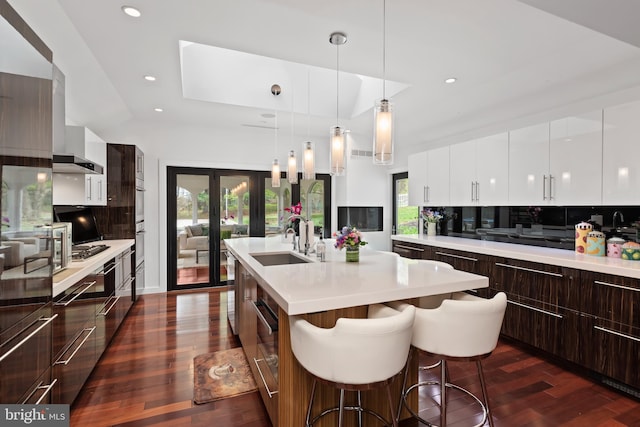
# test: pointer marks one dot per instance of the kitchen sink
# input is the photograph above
(279, 258)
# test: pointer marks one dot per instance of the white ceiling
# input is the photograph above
(513, 59)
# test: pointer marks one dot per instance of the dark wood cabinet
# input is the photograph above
(464, 261)
(411, 250)
(612, 313)
(542, 310)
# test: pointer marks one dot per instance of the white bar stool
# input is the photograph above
(354, 355)
(463, 328)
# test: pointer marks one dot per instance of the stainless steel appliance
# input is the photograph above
(61, 245)
(82, 252)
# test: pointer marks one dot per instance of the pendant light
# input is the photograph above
(337, 143)
(383, 112)
(275, 167)
(308, 156)
(292, 168)
(292, 163)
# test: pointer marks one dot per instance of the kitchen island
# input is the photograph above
(322, 293)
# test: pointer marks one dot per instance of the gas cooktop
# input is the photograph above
(82, 252)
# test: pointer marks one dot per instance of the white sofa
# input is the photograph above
(194, 236)
(21, 247)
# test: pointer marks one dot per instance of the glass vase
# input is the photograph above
(352, 254)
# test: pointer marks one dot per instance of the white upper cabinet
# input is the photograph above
(417, 164)
(480, 171)
(621, 151)
(529, 166)
(575, 160)
(82, 189)
(429, 178)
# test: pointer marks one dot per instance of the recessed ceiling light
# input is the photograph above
(131, 11)
(450, 80)
(150, 78)
(158, 110)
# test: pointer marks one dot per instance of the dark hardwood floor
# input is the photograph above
(145, 378)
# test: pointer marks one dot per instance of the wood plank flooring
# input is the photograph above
(145, 378)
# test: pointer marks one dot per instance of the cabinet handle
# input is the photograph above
(46, 321)
(66, 362)
(409, 248)
(105, 313)
(46, 388)
(473, 186)
(104, 273)
(425, 195)
(269, 392)
(597, 282)
(89, 188)
(620, 334)
(457, 256)
(559, 316)
(90, 284)
(551, 179)
(261, 317)
(477, 191)
(428, 193)
(100, 190)
(544, 187)
(529, 269)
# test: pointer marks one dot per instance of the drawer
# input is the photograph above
(74, 365)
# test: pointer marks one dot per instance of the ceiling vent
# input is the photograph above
(361, 154)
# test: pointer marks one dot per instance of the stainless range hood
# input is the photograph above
(70, 163)
(69, 154)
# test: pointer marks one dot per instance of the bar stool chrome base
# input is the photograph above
(341, 408)
(449, 385)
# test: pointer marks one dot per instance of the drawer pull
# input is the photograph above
(113, 267)
(269, 392)
(409, 248)
(46, 321)
(597, 282)
(515, 267)
(457, 256)
(535, 309)
(103, 312)
(47, 390)
(609, 331)
(264, 321)
(89, 284)
(66, 362)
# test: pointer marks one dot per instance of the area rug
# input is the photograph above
(220, 375)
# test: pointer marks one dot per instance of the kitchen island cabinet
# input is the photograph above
(322, 293)
(582, 309)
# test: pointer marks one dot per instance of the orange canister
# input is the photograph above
(595, 243)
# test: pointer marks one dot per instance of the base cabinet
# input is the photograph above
(411, 250)
(589, 319)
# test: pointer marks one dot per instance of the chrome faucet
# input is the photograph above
(307, 245)
(286, 237)
(615, 215)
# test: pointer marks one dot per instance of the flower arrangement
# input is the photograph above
(431, 216)
(348, 237)
(294, 219)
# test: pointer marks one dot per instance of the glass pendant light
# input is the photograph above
(337, 143)
(275, 167)
(292, 168)
(308, 156)
(308, 160)
(383, 113)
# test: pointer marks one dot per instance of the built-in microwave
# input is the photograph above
(60, 245)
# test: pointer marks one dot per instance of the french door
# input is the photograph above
(207, 206)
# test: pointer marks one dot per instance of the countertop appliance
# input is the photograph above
(82, 252)
(61, 245)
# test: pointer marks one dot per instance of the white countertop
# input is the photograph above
(316, 286)
(79, 269)
(551, 256)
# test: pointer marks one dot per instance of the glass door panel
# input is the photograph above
(234, 214)
(312, 198)
(275, 200)
(406, 217)
(193, 228)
